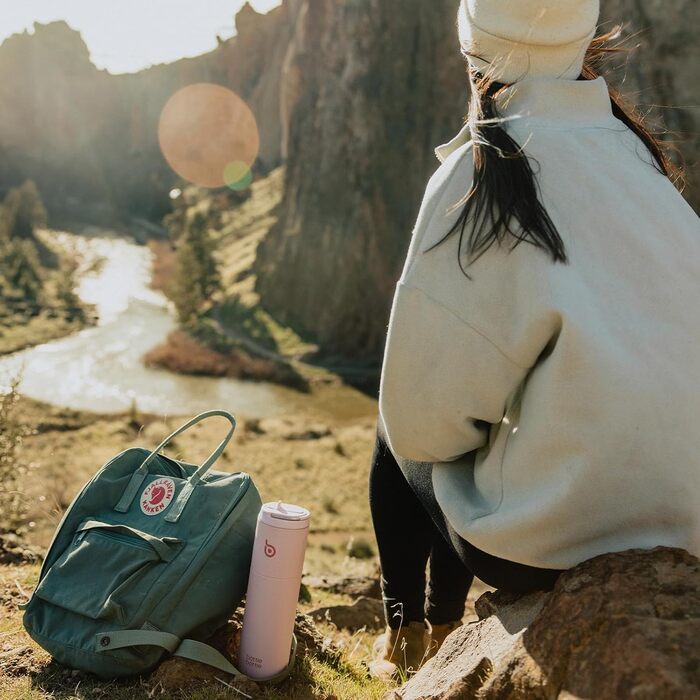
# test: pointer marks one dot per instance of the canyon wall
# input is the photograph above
(90, 140)
(371, 87)
(662, 74)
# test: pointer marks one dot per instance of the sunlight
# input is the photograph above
(209, 135)
(131, 35)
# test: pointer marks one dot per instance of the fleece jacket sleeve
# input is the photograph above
(443, 381)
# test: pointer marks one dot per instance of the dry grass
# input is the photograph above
(68, 447)
(184, 354)
(286, 460)
(20, 332)
(27, 672)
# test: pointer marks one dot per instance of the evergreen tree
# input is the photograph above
(203, 248)
(196, 275)
(4, 225)
(185, 291)
(24, 211)
(22, 269)
(65, 290)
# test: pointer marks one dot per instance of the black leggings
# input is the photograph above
(411, 530)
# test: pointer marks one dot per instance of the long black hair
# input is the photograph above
(503, 200)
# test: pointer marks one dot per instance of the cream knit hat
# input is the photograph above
(515, 39)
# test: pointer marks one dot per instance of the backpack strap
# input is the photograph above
(197, 651)
(185, 648)
(139, 476)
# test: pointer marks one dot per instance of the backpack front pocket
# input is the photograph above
(106, 571)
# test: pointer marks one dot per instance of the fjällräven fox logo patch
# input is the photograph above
(156, 497)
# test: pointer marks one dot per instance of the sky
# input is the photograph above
(127, 35)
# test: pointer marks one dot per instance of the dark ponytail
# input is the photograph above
(504, 199)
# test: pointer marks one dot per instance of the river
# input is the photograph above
(100, 368)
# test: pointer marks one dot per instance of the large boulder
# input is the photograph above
(623, 625)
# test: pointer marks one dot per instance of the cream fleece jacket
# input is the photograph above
(560, 403)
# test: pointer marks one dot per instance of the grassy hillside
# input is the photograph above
(37, 275)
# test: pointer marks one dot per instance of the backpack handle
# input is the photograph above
(139, 476)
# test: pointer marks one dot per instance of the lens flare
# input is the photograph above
(203, 130)
(238, 175)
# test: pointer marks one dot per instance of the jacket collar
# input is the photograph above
(443, 152)
(547, 101)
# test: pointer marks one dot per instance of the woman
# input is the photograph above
(541, 382)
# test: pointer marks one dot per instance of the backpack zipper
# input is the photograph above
(118, 537)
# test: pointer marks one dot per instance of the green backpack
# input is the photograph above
(151, 551)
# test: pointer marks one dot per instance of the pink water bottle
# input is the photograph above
(273, 589)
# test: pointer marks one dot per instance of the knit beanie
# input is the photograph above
(515, 39)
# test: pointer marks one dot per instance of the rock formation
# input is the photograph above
(371, 86)
(89, 139)
(354, 94)
(661, 75)
(623, 625)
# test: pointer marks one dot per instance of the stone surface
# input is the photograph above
(370, 86)
(177, 674)
(624, 625)
(355, 586)
(363, 613)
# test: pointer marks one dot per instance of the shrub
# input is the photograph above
(12, 470)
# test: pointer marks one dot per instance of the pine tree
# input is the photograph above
(186, 292)
(203, 248)
(24, 211)
(65, 290)
(197, 275)
(21, 268)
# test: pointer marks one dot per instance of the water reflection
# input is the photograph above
(100, 369)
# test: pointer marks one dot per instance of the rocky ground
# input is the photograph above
(623, 625)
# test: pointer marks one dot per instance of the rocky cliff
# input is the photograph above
(370, 87)
(89, 139)
(662, 74)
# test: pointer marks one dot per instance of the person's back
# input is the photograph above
(599, 449)
(541, 377)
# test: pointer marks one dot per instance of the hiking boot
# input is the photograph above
(438, 634)
(399, 653)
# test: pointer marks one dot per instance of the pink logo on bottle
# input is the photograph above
(270, 551)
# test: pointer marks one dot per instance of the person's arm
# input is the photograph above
(442, 382)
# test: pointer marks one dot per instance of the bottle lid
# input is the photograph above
(285, 515)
